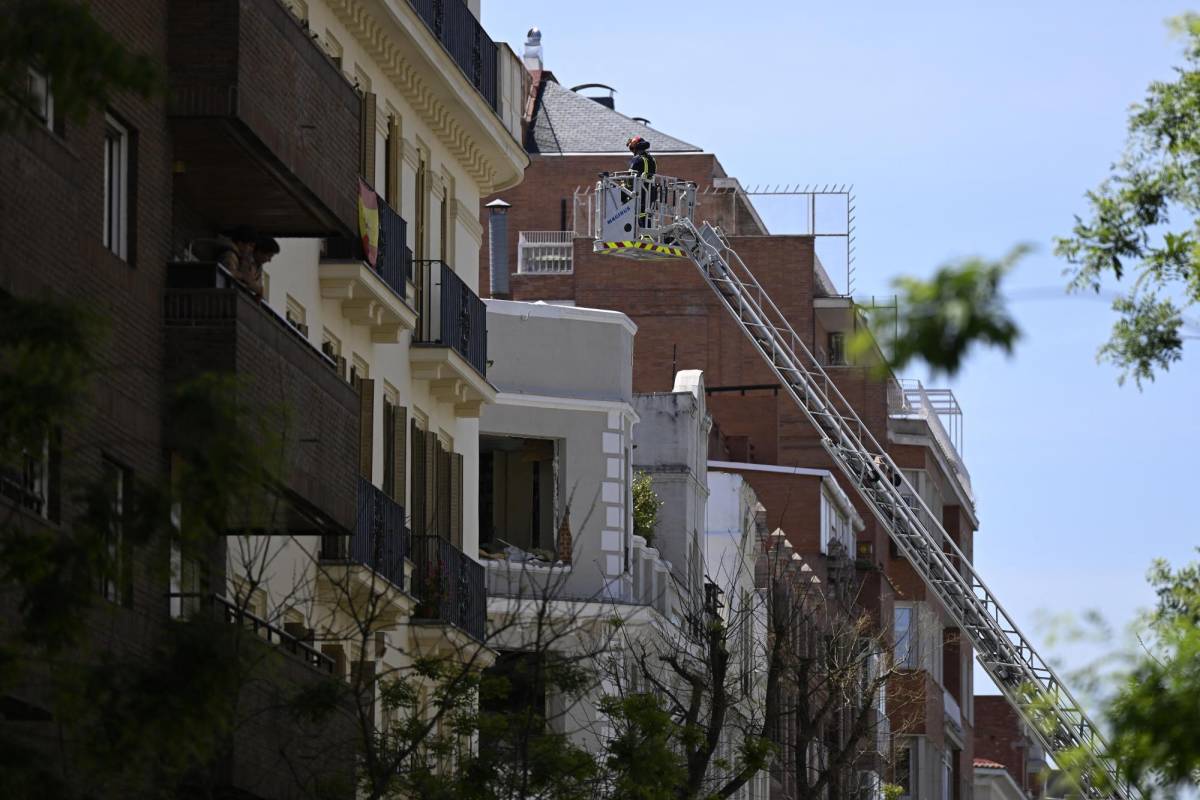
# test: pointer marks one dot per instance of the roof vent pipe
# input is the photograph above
(642, 120)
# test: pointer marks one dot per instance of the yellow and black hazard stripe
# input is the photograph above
(641, 248)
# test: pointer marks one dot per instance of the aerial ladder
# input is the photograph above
(653, 218)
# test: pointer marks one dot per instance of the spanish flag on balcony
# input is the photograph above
(368, 221)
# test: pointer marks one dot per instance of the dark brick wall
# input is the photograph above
(309, 408)
(248, 65)
(51, 192)
(998, 736)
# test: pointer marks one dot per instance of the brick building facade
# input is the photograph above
(681, 325)
(274, 115)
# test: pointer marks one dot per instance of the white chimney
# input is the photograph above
(533, 50)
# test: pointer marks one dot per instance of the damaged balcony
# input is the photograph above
(377, 296)
(262, 136)
(450, 344)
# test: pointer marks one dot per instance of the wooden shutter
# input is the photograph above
(456, 499)
(443, 492)
(393, 164)
(430, 485)
(366, 147)
(366, 426)
(417, 512)
(400, 455)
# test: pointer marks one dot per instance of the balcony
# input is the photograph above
(465, 40)
(364, 574)
(376, 296)
(316, 749)
(380, 541)
(212, 325)
(448, 585)
(450, 343)
(265, 128)
(546, 253)
(908, 399)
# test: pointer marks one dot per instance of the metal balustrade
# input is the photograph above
(448, 585)
(461, 35)
(451, 314)
(380, 540)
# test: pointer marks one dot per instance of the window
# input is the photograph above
(31, 481)
(296, 316)
(906, 769)
(444, 233)
(115, 584)
(331, 346)
(837, 536)
(116, 187)
(41, 99)
(333, 47)
(905, 637)
(837, 349)
(421, 212)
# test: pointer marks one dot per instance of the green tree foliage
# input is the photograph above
(85, 64)
(1143, 227)
(646, 504)
(941, 319)
(1154, 713)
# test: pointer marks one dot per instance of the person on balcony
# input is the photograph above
(246, 255)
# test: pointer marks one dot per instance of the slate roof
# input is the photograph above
(567, 122)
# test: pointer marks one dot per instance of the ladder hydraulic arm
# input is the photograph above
(653, 218)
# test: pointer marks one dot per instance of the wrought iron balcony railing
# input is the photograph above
(448, 585)
(451, 314)
(380, 540)
(452, 22)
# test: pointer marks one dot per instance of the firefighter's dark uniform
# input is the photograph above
(644, 167)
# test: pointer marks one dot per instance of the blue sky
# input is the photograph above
(965, 128)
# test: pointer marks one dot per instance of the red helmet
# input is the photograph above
(637, 143)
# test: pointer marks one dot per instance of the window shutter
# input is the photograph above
(417, 512)
(367, 140)
(399, 455)
(456, 499)
(430, 487)
(341, 368)
(443, 494)
(366, 426)
(393, 177)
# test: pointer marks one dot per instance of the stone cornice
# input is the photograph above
(390, 58)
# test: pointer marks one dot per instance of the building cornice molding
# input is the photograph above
(382, 47)
(566, 404)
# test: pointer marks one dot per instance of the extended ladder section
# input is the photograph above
(648, 219)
